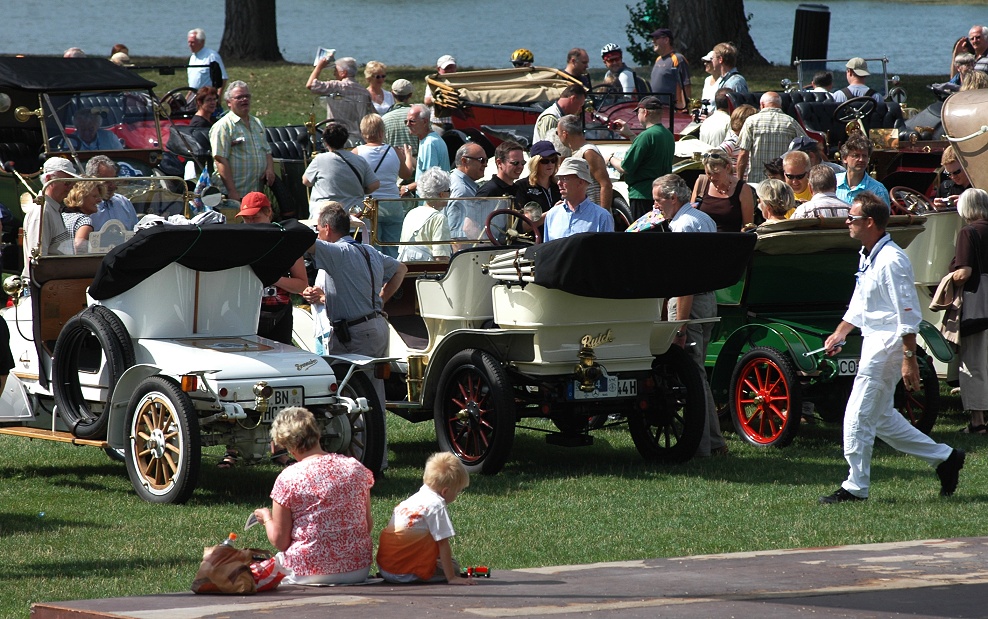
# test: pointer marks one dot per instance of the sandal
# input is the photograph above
(229, 460)
(978, 429)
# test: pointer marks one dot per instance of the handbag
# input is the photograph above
(237, 571)
(974, 307)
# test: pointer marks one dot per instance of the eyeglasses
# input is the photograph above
(515, 163)
(796, 177)
(549, 161)
(241, 98)
(380, 77)
(482, 160)
(853, 218)
(956, 172)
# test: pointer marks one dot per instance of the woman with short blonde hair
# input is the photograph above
(80, 203)
(776, 199)
(376, 73)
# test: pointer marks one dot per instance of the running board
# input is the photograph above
(49, 435)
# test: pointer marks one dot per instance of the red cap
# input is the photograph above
(252, 204)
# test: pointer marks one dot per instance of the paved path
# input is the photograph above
(930, 578)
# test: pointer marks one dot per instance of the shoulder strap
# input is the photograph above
(387, 149)
(360, 179)
(705, 183)
(370, 271)
(847, 92)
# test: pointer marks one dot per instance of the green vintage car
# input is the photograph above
(766, 359)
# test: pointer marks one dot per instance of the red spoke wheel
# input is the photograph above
(921, 407)
(475, 411)
(765, 402)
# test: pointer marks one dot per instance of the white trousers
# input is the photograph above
(870, 414)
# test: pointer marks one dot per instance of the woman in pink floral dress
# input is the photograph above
(320, 519)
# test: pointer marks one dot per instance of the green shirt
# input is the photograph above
(649, 157)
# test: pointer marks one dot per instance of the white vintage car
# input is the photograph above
(150, 351)
(570, 331)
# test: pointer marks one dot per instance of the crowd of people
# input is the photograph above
(760, 168)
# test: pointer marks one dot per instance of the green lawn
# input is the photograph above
(71, 527)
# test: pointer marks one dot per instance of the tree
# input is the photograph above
(701, 24)
(250, 31)
(646, 16)
(697, 26)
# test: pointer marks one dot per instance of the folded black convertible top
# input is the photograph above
(621, 265)
(269, 249)
(38, 74)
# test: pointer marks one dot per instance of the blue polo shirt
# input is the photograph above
(588, 217)
(847, 193)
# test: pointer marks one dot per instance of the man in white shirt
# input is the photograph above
(200, 63)
(885, 307)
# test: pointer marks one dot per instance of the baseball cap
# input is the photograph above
(252, 204)
(58, 164)
(402, 87)
(445, 61)
(575, 166)
(709, 56)
(662, 32)
(858, 66)
(807, 145)
(543, 149)
(649, 103)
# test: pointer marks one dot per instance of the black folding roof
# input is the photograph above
(36, 74)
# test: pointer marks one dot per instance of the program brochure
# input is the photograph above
(324, 53)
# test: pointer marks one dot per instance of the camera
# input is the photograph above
(271, 291)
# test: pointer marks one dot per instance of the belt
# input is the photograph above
(371, 316)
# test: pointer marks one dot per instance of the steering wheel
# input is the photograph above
(854, 109)
(908, 201)
(182, 100)
(510, 234)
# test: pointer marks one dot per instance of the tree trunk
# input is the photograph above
(698, 25)
(250, 31)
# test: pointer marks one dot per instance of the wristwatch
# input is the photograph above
(908, 354)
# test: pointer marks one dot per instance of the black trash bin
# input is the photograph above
(810, 35)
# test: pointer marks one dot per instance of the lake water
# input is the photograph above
(917, 38)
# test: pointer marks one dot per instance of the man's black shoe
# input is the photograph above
(949, 471)
(840, 497)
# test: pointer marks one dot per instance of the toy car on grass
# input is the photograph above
(792, 296)
(151, 352)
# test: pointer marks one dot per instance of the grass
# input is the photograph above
(281, 98)
(72, 528)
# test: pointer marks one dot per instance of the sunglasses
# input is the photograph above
(796, 177)
(411, 121)
(713, 156)
(482, 160)
(853, 218)
(551, 161)
(515, 163)
(956, 172)
(380, 77)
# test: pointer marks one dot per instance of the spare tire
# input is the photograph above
(118, 354)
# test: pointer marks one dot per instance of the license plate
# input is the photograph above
(847, 367)
(283, 397)
(606, 387)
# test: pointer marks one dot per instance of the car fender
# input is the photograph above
(936, 344)
(504, 344)
(779, 336)
(116, 430)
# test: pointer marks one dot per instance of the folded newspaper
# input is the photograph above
(323, 53)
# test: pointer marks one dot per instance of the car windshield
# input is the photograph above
(417, 230)
(100, 213)
(100, 121)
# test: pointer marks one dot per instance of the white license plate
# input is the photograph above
(606, 387)
(847, 367)
(283, 397)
